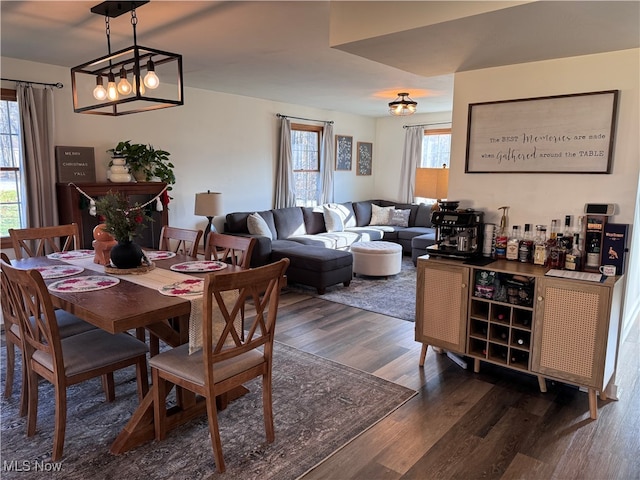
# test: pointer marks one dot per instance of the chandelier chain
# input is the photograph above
(108, 31)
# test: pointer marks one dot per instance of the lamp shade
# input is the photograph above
(208, 204)
(432, 183)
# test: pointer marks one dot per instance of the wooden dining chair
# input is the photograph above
(180, 240)
(233, 249)
(226, 361)
(39, 241)
(68, 325)
(65, 361)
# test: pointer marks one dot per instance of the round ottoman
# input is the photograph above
(377, 259)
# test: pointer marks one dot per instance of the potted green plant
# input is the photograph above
(123, 222)
(145, 162)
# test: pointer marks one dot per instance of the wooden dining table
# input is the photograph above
(128, 306)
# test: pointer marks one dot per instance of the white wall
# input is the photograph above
(221, 142)
(538, 198)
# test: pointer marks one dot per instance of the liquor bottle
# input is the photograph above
(573, 259)
(501, 236)
(513, 244)
(553, 233)
(593, 252)
(539, 256)
(525, 248)
(557, 253)
(567, 234)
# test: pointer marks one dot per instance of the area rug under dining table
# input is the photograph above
(319, 406)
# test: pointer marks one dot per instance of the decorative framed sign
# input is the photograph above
(344, 152)
(75, 164)
(559, 134)
(365, 158)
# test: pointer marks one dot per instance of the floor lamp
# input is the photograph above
(208, 204)
(432, 183)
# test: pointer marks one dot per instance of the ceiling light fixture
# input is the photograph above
(402, 106)
(147, 66)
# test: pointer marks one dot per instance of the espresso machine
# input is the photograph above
(458, 234)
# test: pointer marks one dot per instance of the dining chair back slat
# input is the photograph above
(38, 241)
(180, 240)
(229, 359)
(233, 249)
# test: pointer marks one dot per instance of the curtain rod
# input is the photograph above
(426, 124)
(279, 115)
(57, 85)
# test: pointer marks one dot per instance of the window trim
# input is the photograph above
(310, 128)
(9, 95)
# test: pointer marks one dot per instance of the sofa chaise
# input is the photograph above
(317, 239)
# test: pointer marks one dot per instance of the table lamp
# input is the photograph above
(432, 183)
(208, 204)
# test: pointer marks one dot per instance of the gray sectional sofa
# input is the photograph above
(317, 239)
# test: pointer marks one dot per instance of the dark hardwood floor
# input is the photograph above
(492, 425)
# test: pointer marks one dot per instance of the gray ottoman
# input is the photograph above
(378, 259)
(317, 267)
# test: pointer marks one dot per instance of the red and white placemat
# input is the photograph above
(190, 286)
(83, 284)
(159, 255)
(71, 254)
(59, 271)
(199, 266)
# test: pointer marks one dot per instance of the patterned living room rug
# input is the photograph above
(319, 406)
(394, 296)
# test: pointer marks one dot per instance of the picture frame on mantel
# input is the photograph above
(365, 158)
(571, 133)
(344, 152)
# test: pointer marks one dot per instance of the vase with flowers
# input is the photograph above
(123, 222)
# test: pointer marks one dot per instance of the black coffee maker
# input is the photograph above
(458, 232)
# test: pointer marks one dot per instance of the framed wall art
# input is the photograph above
(560, 134)
(344, 152)
(365, 158)
(75, 164)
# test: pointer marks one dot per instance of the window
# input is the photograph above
(12, 198)
(436, 148)
(305, 152)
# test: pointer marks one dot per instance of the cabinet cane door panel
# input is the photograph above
(570, 326)
(442, 306)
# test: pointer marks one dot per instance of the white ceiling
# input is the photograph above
(281, 50)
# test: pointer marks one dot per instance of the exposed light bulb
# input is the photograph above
(99, 93)
(112, 90)
(124, 87)
(151, 79)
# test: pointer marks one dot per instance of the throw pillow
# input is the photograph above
(399, 218)
(257, 226)
(332, 220)
(380, 215)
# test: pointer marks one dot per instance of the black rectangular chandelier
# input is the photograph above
(133, 80)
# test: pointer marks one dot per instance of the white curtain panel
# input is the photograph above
(36, 117)
(410, 160)
(285, 191)
(327, 159)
